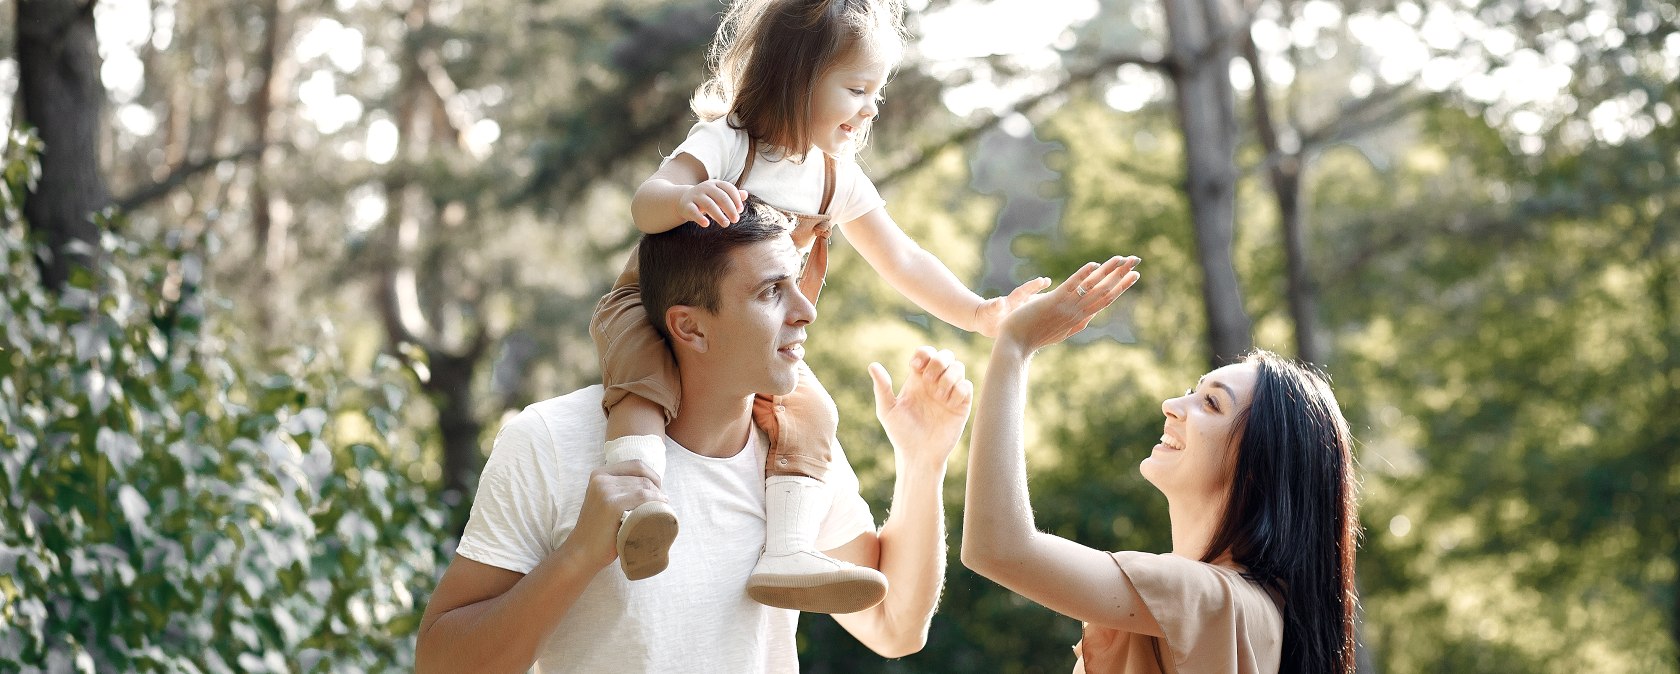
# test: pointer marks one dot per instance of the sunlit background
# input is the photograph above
(388, 221)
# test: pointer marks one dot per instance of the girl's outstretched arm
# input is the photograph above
(1000, 540)
(921, 277)
(679, 192)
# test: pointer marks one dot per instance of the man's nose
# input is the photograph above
(802, 311)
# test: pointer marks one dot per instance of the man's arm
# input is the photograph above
(484, 618)
(924, 424)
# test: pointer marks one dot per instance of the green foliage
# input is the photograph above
(1510, 365)
(171, 503)
(1506, 344)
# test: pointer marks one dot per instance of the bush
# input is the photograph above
(168, 505)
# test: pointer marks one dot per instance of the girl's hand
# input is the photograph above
(1056, 315)
(990, 314)
(713, 201)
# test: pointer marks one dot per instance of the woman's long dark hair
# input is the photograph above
(1291, 517)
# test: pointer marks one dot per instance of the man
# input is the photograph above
(534, 581)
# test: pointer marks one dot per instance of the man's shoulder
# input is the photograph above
(565, 419)
(586, 399)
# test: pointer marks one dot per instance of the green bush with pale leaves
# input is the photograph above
(172, 502)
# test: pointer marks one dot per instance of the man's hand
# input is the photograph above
(926, 419)
(989, 315)
(613, 489)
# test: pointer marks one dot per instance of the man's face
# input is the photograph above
(756, 339)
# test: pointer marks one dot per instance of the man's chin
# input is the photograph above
(785, 385)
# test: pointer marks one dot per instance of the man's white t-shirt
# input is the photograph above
(779, 181)
(693, 617)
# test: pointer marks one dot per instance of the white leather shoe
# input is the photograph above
(813, 582)
(792, 573)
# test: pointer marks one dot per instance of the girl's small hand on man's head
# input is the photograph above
(713, 202)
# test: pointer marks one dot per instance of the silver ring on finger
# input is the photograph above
(1079, 290)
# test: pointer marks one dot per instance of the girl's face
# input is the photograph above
(1195, 457)
(845, 100)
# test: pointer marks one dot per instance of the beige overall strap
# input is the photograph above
(816, 264)
(828, 184)
(752, 153)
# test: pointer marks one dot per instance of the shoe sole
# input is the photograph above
(846, 595)
(644, 539)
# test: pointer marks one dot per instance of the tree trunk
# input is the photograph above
(58, 72)
(448, 369)
(450, 387)
(1303, 296)
(1284, 169)
(1201, 55)
(450, 364)
(268, 231)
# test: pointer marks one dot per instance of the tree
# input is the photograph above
(1201, 51)
(58, 69)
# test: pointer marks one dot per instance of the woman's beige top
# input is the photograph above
(1214, 621)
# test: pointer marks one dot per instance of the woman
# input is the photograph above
(1256, 466)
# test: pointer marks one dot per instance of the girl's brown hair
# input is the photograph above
(768, 55)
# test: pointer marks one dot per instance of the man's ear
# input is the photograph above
(687, 326)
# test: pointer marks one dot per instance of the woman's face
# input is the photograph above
(1194, 457)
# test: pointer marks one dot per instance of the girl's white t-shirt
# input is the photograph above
(694, 617)
(779, 181)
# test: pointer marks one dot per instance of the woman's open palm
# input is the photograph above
(1051, 317)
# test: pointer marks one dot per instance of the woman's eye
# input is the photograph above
(1211, 403)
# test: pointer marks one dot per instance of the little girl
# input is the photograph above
(794, 91)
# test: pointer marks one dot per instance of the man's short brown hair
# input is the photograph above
(685, 266)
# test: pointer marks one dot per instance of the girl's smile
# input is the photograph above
(845, 100)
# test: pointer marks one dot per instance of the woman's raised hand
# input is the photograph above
(1053, 316)
(988, 317)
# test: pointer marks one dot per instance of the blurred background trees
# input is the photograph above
(399, 213)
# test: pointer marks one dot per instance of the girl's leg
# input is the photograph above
(635, 415)
(640, 395)
(792, 573)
